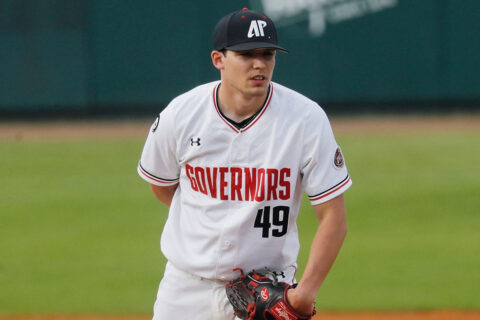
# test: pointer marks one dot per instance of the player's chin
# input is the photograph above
(257, 93)
(258, 90)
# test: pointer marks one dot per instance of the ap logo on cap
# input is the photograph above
(256, 28)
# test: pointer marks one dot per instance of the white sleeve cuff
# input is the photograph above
(150, 178)
(331, 193)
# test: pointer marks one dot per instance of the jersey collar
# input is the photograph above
(255, 118)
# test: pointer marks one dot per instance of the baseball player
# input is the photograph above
(232, 159)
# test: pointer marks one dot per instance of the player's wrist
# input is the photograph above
(302, 303)
(306, 291)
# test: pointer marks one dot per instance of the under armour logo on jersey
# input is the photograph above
(194, 141)
(256, 28)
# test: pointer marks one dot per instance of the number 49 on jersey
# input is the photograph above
(272, 221)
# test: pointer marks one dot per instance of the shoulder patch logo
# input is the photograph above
(338, 159)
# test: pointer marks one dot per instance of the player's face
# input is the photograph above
(248, 72)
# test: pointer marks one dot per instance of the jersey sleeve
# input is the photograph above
(158, 163)
(324, 173)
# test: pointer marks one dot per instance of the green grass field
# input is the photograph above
(79, 230)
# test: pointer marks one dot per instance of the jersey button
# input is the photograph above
(227, 244)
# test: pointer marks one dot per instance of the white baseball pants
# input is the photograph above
(183, 296)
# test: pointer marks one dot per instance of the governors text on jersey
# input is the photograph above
(240, 184)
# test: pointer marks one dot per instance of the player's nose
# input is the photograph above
(259, 62)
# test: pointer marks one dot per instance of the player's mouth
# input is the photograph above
(259, 79)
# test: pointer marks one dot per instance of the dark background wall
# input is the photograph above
(123, 57)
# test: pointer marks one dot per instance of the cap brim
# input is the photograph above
(255, 45)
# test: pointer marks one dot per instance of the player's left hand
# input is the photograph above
(260, 296)
(299, 303)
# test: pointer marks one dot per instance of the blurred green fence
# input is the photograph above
(111, 56)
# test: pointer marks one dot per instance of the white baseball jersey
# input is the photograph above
(240, 189)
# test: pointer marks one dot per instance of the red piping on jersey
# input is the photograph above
(265, 106)
(216, 108)
(152, 178)
(263, 111)
(332, 191)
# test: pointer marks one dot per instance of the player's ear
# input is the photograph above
(217, 59)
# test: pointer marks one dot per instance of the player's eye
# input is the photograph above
(267, 55)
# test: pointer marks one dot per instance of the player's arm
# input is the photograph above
(326, 244)
(164, 194)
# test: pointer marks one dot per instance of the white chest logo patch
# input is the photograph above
(256, 28)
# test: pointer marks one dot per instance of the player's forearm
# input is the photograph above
(324, 248)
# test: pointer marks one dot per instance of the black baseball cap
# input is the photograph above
(245, 30)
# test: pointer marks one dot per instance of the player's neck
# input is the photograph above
(238, 106)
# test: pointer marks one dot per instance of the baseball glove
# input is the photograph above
(259, 296)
